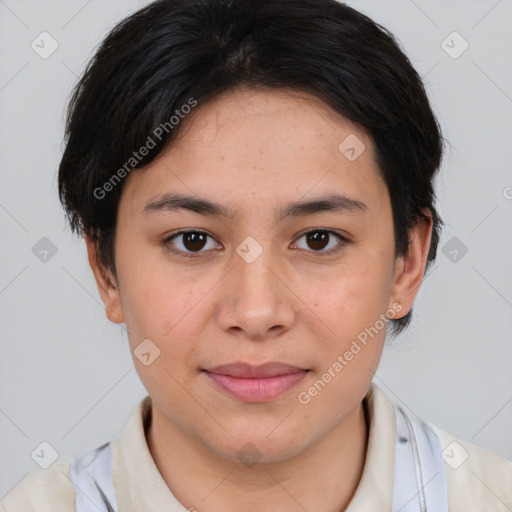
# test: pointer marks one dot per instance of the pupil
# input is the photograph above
(194, 241)
(318, 239)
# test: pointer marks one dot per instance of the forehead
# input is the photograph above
(259, 148)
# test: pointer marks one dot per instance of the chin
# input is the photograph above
(252, 447)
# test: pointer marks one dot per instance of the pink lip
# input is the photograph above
(256, 383)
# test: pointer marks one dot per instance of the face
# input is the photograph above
(294, 263)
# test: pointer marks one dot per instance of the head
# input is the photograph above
(292, 145)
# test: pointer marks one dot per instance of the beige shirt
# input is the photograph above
(482, 483)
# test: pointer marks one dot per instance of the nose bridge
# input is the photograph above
(256, 300)
(256, 266)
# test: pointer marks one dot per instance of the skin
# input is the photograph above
(255, 151)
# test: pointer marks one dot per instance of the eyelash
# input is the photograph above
(167, 241)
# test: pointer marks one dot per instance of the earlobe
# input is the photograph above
(106, 283)
(410, 269)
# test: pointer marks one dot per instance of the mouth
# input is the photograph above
(250, 383)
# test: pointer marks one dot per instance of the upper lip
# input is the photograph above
(247, 371)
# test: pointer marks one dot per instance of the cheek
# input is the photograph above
(162, 317)
(353, 307)
(360, 328)
(354, 297)
(353, 303)
(156, 297)
(170, 309)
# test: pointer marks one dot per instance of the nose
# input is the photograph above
(256, 300)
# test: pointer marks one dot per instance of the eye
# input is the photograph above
(188, 242)
(320, 239)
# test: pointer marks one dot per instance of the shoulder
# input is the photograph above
(48, 489)
(477, 478)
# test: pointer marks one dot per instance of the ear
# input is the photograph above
(410, 269)
(107, 286)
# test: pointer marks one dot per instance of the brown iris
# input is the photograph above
(194, 241)
(317, 239)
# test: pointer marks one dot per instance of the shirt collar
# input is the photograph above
(375, 489)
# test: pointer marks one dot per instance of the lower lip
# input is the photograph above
(257, 390)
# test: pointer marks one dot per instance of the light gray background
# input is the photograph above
(67, 377)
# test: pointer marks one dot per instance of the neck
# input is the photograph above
(324, 477)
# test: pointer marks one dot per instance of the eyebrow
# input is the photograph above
(330, 203)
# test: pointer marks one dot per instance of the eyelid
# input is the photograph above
(167, 242)
(343, 240)
(327, 230)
